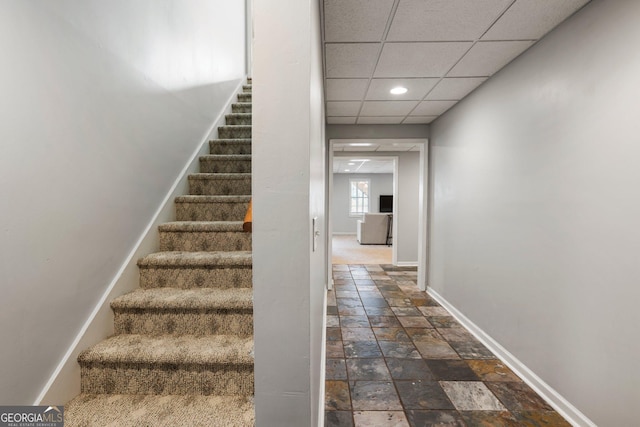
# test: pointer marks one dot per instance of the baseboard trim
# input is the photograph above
(64, 383)
(407, 264)
(559, 403)
(323, 364)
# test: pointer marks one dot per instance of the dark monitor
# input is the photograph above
(386, 204)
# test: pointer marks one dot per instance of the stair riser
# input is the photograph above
(130, 378)
(241, 108)
(246, 88)
(207, 241)
(211, 211)
(226, 132)
(192, 322)
(187, 278)
(238, 120)
(228, 147)
(244, 97)
(220, 187)
(210, 165)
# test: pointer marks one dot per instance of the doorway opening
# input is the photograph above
(364, 177)
(364, 198)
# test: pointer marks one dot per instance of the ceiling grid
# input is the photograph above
(440, 50)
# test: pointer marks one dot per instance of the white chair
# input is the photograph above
(372, 229)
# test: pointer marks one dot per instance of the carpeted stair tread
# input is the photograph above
(209, 236)
(236, 127)
(161, 411)
(196, 259)
(230, 146)
(230, 141)
(225, 163)
(212, 226)
(211, 208)
(238, 119)
(242, 107)
(171, 350)
(227, 157)
(183, 299)
(212, 199)
(226, 175)
(220, 184)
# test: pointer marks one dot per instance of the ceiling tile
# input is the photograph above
(456, 88)
(341, 120)
(343, 108)
(346, 89)
(356, 20)
(387, 108)
(444, 20)
(419, 59)
(532, 19)
(417, 88)
(414, 120)
(380, 120)
(485, 58)
(370, 148)
(351, 59)
(432, 108)
(396, 147)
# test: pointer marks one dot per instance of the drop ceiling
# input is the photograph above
(355, 154)
(440, 50)
(359, 164)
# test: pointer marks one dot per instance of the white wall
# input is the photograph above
(102, 106)
(381, 183)
(288, 191)
(535, 234)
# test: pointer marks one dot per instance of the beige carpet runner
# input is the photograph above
(182, 353)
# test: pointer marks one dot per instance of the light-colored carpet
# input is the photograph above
(182, 353)
(117, 410)
(347, 250)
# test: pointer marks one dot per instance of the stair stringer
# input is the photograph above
(64, 382)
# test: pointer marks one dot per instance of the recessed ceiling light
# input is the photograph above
(351, 164)
(360, 144)
(347, 170)
(398, 90)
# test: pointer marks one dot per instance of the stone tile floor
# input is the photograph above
(396, 358)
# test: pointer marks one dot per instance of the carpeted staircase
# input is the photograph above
(182, 353)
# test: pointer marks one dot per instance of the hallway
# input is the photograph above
(396, 358)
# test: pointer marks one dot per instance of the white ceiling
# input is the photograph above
(440, 50)
(360, 160)
(357, 164)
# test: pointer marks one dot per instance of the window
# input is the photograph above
(358, 196)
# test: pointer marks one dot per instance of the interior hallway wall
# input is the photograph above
(534, 229)
(102, 105)
(289, 276)
(381, 183)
